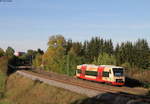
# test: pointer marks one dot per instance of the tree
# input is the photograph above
(53, 59)
(10, 55)
(142, 53)
(93, 48)
(56, 41)
(40, 51)
(68, 46)
(117, 54)
(30, 56)
(125, 53)
(76, 48)
(2, 53)
(107, 47)
(72, 60)
(105, 59)
(37, 62)
(10, 52)
(96, 46)
(133, 55)
(85, 52)
(31, 52)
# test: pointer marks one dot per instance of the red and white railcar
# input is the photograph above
(101, 73)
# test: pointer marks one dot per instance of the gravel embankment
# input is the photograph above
(69, 87)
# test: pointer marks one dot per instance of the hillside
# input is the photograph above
(21, 90)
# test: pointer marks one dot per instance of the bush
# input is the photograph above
(105, 59)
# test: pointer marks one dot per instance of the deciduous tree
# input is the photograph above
(105, 59)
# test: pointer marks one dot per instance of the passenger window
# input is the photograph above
(105, 74)
(92, 73)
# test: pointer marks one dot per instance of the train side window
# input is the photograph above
(92, 73)
(105, 74)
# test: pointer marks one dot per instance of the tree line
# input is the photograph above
(63, 55)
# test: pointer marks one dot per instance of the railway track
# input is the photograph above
(89, 85)
(72, 82)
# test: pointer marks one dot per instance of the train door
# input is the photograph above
(100, 73)
(83, 68)
(110, 75)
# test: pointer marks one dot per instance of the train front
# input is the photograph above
(118, 76)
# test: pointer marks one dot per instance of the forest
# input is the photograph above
(63, 55)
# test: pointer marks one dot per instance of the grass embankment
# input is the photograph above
(2, 85)
(3, 75)
(21, 90)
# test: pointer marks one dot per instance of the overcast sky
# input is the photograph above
(27, 24)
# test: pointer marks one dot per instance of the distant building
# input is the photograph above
(19, 53)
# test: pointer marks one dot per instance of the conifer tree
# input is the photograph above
(142, 53)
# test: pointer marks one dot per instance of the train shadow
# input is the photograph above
(130, 82)
(114, 98)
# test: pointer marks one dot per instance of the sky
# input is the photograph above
(28, 24)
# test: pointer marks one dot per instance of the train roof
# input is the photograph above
(96, 66)
(111, 66)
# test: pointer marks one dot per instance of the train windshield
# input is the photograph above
(118, 72)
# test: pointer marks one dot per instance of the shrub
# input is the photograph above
(105, 59)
